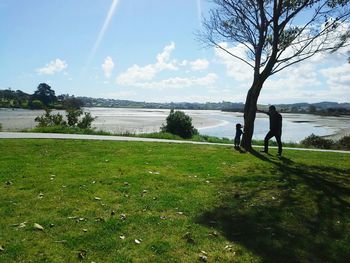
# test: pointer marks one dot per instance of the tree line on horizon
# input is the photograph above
(45, 97)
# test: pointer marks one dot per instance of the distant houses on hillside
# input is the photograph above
(19, 99)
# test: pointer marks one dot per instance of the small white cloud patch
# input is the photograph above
(199, 64)
(107, 67)
(53, 67)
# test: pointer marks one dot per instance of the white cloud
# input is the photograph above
(183, 63)
(199, 64)
(325, 76)
(164, 57)
(338, 80)
(138, 73)
(53, 67)
(338, 77)
(235, 68)
(180, 82)
(145, 76)
(307, 82)
(107, 67)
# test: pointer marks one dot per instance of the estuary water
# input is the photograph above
(215, 123)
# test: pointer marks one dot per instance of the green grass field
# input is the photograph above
(181, 203)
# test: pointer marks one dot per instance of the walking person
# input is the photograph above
(275, 129)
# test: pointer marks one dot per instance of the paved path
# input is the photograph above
(28, 135)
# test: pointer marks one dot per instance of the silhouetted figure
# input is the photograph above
(239, 132)
(275, 129)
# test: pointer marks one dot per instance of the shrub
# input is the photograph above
(50, 120)
(344, 143)
(86, 121)
(73, 116)
(47, 119)
(179, 123)
(317, 142)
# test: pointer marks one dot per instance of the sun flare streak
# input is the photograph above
(101, 34)
(105, 26)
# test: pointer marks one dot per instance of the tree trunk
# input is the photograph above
(250, 113)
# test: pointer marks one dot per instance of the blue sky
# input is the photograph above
(142, 50)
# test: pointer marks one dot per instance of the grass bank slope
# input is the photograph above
(150, 202)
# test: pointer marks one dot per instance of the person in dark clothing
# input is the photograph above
(275, 129)
(239, 132)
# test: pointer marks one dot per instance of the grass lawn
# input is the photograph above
(181, 203)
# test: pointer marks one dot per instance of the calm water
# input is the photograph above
(215, 123)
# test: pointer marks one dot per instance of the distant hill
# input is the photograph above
(100, 102)
(304, 107)
(18, 99)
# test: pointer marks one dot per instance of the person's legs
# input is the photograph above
(279, 143)
(268, 136)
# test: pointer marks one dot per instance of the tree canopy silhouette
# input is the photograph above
(45, 94)
(274, 34)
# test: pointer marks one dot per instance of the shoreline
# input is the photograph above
(338, 135)
(208, 122)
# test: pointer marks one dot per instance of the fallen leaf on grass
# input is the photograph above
(85, 230)
(203, 256)
(2, 248)
(38, 227)
(122, 237)
(82, 254)
(214, 234)
(228, 248)
(97, 198)
(122, 216)
(138, 241)
(60, 241)
(20, 225)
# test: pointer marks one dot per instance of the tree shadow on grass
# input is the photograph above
(290, 213)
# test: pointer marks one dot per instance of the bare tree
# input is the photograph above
(276, 34)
